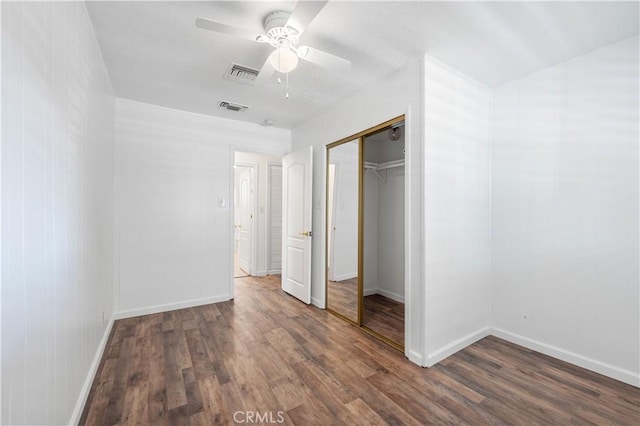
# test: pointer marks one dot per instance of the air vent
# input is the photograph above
(232, 106)
(241, 74)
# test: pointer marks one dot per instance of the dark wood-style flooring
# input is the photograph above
(342, 297)
(384, 316)
(381, 314)
(266, 354)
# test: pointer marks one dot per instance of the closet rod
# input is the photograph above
(390, 164)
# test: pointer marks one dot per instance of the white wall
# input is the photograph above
(57, 209)
(261, 162)
(345, 220)
(396, 94)
(390, 234)
(173, 241)
(457, 256)
(565, 211)
(371, 238)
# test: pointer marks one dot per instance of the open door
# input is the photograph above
(296, 223)
(244, 215)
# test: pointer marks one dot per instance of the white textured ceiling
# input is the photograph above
(154, 53)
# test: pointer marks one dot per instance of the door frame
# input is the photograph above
(232, 214)
(231, 190)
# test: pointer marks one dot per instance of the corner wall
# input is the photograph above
(565, 211)
(57, 206)
(173, 242)
(457, 255)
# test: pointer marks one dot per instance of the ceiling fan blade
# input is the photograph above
(265, 73)
(324, 59)
(208, 24)
(304, 13)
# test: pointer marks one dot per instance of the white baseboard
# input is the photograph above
(458, 344)
(169, 307)
(393, 296)
(369, 291)
(274, 272)
(88, 381)
(316, 302)
(608, 370)
(348, 276)
(383, 292)
(415, 357)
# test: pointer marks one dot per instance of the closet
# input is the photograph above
(366, 230)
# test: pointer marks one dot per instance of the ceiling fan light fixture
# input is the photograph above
(283, 59)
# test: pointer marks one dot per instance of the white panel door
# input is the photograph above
(296, 223)
(245, 219)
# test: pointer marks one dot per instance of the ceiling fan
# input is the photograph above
(282, 32)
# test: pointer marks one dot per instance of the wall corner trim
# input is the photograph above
(170, 307)
(93, 369)
(416, 358)
(316, 302)
(599, 367)
(456, 345)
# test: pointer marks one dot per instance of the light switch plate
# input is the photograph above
(222, 202)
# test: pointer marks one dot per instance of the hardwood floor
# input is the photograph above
(342, 297)
(266, 356)
(381, 314)
(384, 316)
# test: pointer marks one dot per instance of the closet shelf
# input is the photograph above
(374, 167)
(381, 166)
(390, 164)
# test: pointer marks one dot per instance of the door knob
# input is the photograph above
(306, 234)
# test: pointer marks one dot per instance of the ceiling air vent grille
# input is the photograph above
(232, 106)
(241, 74)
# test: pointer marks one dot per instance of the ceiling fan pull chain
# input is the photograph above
(287, 94)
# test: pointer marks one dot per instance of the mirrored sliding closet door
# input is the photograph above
(383, 216)
(342, 229)
(366, 230)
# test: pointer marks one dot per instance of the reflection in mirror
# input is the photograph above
(383, 215)
(342, 229)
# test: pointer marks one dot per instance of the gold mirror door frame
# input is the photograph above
(342, 234)
(332, 305)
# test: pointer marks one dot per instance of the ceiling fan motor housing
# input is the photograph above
(277, 31)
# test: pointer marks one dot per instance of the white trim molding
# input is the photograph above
(608, 370)
(317, 302)
(447, 350)
(386, 293)
(170, 307)
(88, 381)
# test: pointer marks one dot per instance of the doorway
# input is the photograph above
(243, 223)
(257, 217)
